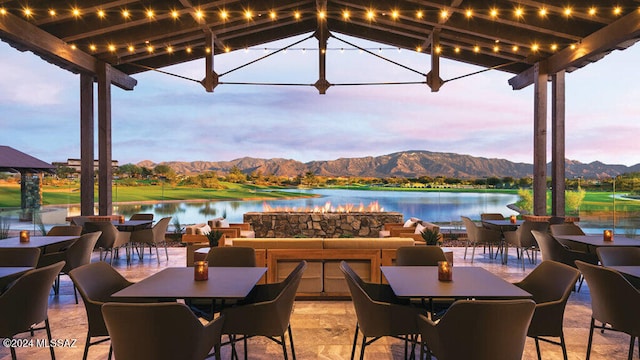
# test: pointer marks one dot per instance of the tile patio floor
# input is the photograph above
(323, 329)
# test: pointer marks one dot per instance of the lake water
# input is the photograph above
(430, 206)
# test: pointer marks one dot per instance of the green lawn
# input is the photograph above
(52, 195)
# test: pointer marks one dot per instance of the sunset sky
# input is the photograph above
(171, 119)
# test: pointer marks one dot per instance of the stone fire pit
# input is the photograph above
(310, 224)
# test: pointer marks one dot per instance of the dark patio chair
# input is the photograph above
(419, 255)
(523, 240)
(379, 314)
(152, 237)
(478, 330)
(266, 311)
(551, 249)
(163, 331)
(111, 239)
(78, 254)
(619, 255)
(141, 217)
(25, 303)
(550, 283)
(557, 230)
(96, 282)
(614, 301)
(479, 235)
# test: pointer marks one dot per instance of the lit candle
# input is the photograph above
(24, 236)
(121, 219)
(445, 271)
(607, 235)
(512, 218)
(201, 270)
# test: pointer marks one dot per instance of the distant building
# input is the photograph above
(75, 164)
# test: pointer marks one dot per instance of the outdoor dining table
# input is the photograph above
(468, 283)
(10, 273)
(35, 241)
(594, 241)
(179, 283)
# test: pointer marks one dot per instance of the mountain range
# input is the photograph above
(410, 164)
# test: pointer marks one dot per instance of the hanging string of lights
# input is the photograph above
(519, 13)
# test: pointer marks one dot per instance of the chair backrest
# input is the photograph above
(550, 281)
(61, 230)
(96, 282)
(161, 331)
(619, 256)
(565, 229)
(419, 256)
(550, 248)
(524, 232)
(141, 217)
(471, 227)
(232, 256)
(19, 256)
(482, 329)
(26, 300)
(613, 299)
(160, 229)
(79, 253)
(491, 216)
(109, 233)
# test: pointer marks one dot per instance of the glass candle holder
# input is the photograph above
(513, 219)
(607, 235)
(445, 271)
(121, 219)
(201, 270)
(24, 236)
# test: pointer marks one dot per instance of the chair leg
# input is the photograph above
(473, 253)
(244, 341)
(293, 350)
(13, 353)
(593, 321)
(284, 347)
(157, 255)
(563, 345)
(364, 343)
(75, 293)
(166, 252)
(631, 345)
(53, 355)
(86, 347)
(110, 352)
(538, 348)
(355, 341)
(465, 250)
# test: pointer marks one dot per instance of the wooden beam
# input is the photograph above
(433, 77)
(540, 141)
(606, 39)
(49, 47)
(210, 77)
(558, 144)
(87, 198)
(104, 141)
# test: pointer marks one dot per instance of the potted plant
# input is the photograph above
(215, 237)
(431, 236)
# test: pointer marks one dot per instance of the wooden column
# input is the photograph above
(322, 34)
(87, 198)
(540, 140)
(104, 140)
(558, 144)
(210, 78)
(433, 77)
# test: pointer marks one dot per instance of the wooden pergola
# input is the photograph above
(107, 41)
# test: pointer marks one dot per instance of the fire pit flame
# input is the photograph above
(327, 208)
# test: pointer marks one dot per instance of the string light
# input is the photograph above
(519, 12)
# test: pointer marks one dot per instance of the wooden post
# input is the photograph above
(87, 198)
(104, 140)
(558, 144)
(540, 140)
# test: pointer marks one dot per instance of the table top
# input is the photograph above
(629, 270)
(505, 222)
(7, 271)
(598, 240)
(35, 241)
(130, 225)
(468, 282)
(178, 283)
